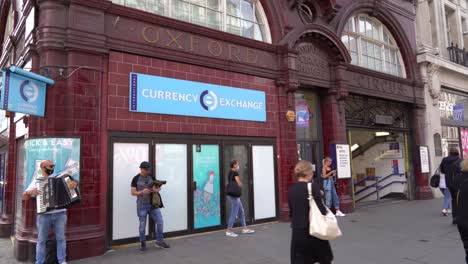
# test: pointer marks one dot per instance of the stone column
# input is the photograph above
(334, 131)
(423, 191)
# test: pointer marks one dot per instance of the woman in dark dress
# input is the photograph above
(304, 247)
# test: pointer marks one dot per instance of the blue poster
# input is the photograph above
(154, 94)
(64, 152)
(23, 94)
(458, 112)
(206, 198)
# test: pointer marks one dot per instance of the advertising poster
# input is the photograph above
(206, 198)
(464, 142)
(64, 152)
(458, 112)
(303, 114)
(424, 158)
(343, 161)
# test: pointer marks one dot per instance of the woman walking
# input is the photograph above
(304, 247)
(236, 205)
(329, 186)
(447, 197)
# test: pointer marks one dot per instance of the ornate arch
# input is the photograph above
(273, 14)
(337, 49)
(392, 24)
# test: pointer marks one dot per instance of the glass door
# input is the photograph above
(239, 153)
(206, 186)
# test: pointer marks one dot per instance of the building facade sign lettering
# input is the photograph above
(173, 39)
(373, 84)
(313, 61)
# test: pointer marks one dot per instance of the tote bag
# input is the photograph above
(321, 226)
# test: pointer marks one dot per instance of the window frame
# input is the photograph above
(352, 29)
(260, 22)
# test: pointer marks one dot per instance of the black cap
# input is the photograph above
(145, 165)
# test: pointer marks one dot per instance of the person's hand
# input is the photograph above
(73, 185)
(147, 191)
(334, 171)
(33, 192)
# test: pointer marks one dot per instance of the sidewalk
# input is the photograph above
(402, 232)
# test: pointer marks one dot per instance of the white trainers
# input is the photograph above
(339, 213)
(247, 231)
(231, 234)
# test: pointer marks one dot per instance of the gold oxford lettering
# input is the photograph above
(187, 42)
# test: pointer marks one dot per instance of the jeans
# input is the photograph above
(236, 209)
(447, 197)
(143, 211)
(330, 194)
(44, 221)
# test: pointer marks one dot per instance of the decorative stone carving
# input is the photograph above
(313, 60)
(432, 72)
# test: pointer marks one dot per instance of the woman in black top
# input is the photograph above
(304, 247)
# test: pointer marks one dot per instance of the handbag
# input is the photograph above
(324, 227)
(233, 189)
(435, 179)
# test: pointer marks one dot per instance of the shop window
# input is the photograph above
(241, 17)
(371, 46)
(449, 27)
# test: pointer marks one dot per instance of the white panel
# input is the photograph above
(171, 166)
(127, 159)
(264, 182)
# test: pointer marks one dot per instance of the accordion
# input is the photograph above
(55, 193)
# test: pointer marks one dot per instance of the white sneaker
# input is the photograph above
(339, 213)
(248, 231)
(231, 234)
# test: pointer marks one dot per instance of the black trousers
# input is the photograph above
(306, 249)
(453, 193)
(464, 236)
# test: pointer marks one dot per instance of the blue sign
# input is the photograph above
(23, 92)
(154, 94)
(458, 112)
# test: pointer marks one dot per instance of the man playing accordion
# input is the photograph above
(57, 218)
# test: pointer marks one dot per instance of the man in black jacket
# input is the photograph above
(462, 202)
(450, 166)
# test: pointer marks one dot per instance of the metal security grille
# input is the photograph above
(363, 111)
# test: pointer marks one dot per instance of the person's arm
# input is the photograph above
(326, 175)
(134, 191)
(237, 178)
(318, 198)
(442, 167)
(28, 194)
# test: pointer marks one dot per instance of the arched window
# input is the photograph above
(371, 46)
(241, 17)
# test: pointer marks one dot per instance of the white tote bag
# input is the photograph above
(321, 226)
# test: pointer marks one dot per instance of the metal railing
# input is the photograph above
(457, 55)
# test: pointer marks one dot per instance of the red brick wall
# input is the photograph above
(121, 119)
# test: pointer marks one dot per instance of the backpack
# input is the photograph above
(51, 252)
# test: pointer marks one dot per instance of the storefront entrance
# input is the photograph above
(379, 165)
(196, 173)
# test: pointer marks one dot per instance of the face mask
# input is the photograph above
(49, 171)
(237, 167)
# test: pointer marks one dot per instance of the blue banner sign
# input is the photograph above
(458, 112)
(23, 92)
(154, 94)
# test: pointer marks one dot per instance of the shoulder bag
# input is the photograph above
(435, 179)
(324, 227)
(232, 188)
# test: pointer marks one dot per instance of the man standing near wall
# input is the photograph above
(142, 188)
(450, 166)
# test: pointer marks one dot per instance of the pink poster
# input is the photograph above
(464, 142)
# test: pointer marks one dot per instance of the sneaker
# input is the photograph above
(231, 234)
(162, 244)
(248, 231)
(143, 246)
(339, 213)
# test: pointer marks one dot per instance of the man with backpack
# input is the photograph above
(450, 166)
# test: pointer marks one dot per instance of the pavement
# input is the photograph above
(389, 232)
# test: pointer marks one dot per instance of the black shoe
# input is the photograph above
(162, 244)
(143, 246)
